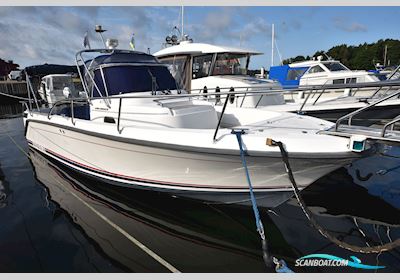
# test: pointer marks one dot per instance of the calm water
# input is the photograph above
(46, 227)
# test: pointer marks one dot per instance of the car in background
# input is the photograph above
(15, 75)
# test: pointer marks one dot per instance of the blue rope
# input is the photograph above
(260, 227)
(280, 265)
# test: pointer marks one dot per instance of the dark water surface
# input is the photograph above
(47, 226)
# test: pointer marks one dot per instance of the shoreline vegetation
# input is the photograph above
(362, 57)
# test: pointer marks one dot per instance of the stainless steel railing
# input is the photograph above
(356, 112)
(255, 91)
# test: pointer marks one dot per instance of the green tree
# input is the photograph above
(361, 57)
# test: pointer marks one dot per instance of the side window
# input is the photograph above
(48, 84)
(316, 69)
(294, 74)
(201, 66)
(43, 86)
(351, 80)
(338, 81)
(177, 66)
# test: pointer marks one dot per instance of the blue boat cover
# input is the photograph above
(127, 79)
(288, 77)
(124, 57)
(138, 72)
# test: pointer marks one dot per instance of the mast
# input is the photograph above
(272, 43)
(182, 33)
(385, 56)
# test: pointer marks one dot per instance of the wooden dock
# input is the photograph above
(17, 88)
(9, 110)
(14, 88)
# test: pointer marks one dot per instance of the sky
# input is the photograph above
(37, 35)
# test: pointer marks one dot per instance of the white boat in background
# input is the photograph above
(53, 88)
(207, 68)
(319, 72)
(137, 129)
(335, 91)
(333, 109)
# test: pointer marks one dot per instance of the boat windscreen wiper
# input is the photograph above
(166, 91)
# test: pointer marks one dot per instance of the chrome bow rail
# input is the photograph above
(375, 133)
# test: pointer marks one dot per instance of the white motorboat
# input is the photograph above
(319, 72)
(136, 130)
(52, 88)
(332, 109)
(198, 67)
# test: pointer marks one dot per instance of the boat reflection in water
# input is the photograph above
(359, 205)
(197, 237)
(190, 236)
(4, 190)
(380, 174)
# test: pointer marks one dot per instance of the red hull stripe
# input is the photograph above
(136, 179)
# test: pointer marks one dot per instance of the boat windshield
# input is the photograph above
(133, 78)
(178, 67)
(335, 66)
(59, 83)
(231, 64)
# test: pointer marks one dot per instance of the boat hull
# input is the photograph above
(211, 177)
(374, 115)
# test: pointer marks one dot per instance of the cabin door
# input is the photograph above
(179, 66)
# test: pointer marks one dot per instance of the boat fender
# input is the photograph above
(217, 96)
(231, 96)
(205, 90)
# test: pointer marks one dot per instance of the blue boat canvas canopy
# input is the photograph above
(127, 72)
(288, 77)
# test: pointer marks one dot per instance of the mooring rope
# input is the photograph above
(308, 214)
(13, 96)
(259, 224)
(280, 265)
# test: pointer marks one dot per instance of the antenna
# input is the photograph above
(100, 30)
(279, 53)
(327, 56)
(86, 42)
(385, 56)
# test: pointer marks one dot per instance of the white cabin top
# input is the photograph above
(186, 47)
(57, 75)
(327, 65)
(199, 67)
